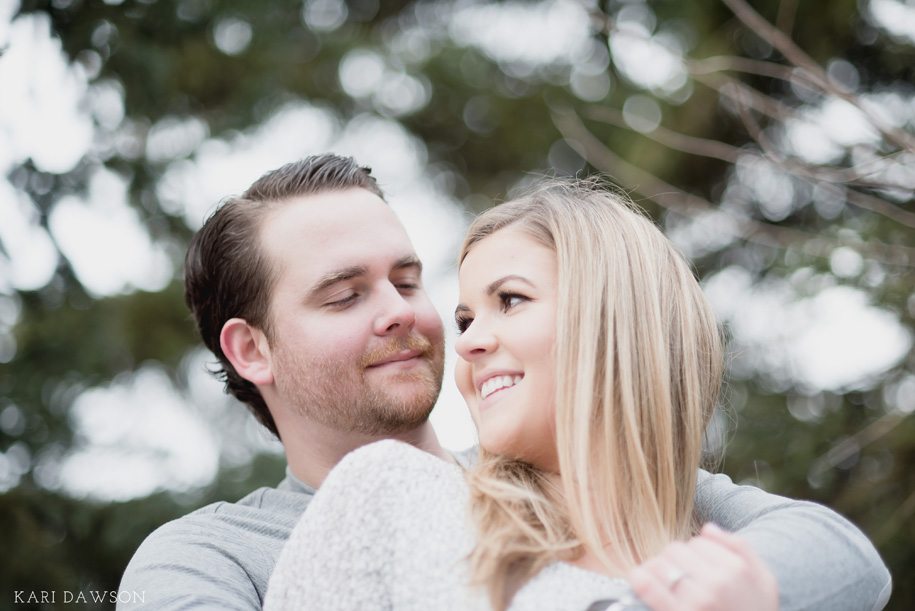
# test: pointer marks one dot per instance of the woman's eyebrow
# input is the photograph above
(494, 286)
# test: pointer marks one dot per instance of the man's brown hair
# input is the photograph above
(226, 274)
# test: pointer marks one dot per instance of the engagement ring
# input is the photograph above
(674, 575)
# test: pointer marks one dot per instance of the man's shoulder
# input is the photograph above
(268, 503)
(224, 549)
(266, 513)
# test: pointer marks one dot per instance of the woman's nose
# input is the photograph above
(476, 340)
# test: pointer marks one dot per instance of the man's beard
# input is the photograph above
(338, 395)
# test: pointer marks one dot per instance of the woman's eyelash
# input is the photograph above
(462, 322)
(506, 299)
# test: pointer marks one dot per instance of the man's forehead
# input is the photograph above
(336, 230)
(333, 215)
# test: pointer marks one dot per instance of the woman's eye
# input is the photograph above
(462, 323)
(510, 300)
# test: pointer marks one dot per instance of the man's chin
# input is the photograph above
(413, 405)
(409, 404)
(399, 417)
(407, 396)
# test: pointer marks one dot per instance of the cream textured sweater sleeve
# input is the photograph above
(386, 530)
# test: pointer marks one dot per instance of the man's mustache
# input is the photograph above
(413, 341)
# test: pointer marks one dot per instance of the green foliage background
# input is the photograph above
(854, 456)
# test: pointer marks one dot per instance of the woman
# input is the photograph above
(591, 363)
(591, 289)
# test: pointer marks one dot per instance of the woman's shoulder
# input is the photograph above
(389, 460)
(390, 449)
(391, 473)
(389, 519)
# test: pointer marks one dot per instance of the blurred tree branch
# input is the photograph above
(794, 54)
(672, 198)
(744, 98)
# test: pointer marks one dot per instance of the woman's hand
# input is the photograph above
(714, 570)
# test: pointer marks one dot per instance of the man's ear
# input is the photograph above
(247, 349)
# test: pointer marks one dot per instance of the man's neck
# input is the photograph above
(312, 450)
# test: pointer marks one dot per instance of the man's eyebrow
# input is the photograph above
(340, 275)
(408, 261)
(357, 271)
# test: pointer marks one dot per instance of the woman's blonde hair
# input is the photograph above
(639, 360)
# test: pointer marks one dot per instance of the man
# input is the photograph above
(309, 293)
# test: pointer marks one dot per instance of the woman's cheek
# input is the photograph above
(463, 378)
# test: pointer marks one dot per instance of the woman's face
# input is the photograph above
(507, 320)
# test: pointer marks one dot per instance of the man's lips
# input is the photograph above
(400, 357)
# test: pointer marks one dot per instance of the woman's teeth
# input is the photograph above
(498, 383)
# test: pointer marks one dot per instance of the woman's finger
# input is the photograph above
(655, 581)
(713, 571)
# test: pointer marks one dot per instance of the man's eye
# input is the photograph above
(340, 303)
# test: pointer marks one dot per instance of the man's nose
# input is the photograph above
(396, 314)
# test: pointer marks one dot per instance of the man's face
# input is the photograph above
(356, 343)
